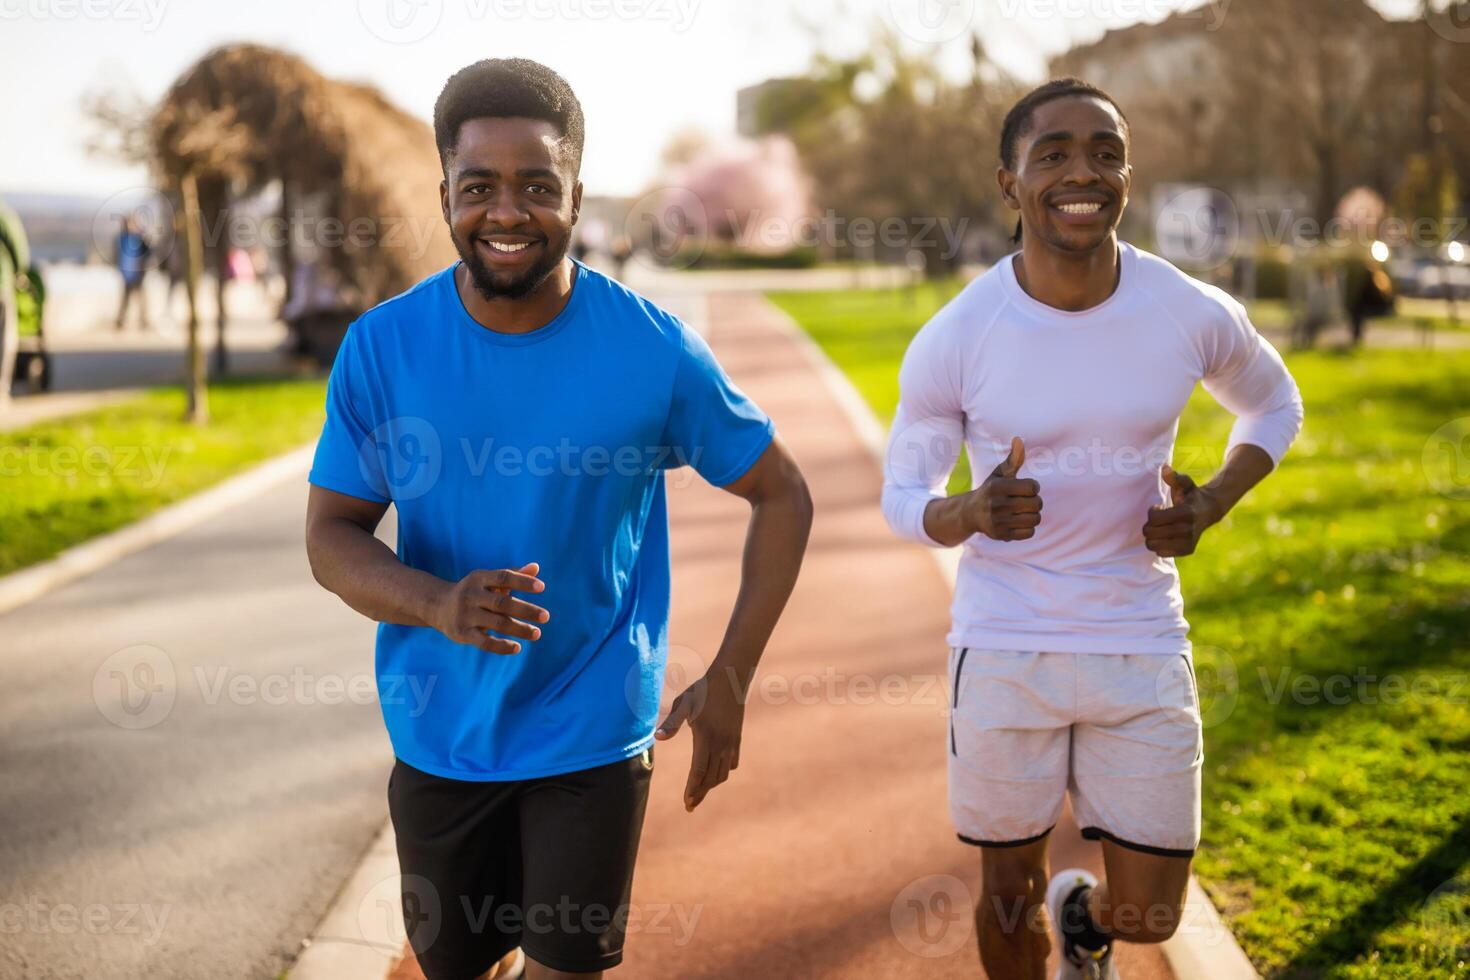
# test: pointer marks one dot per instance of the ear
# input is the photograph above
(1007, 182)
(444, 199)
(576, 201)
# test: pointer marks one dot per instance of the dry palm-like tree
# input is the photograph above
(247, 117)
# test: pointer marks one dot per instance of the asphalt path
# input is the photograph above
(191, 757)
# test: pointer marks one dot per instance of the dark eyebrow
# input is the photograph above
(490, 173)
(1108, 134)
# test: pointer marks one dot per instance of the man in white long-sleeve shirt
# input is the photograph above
(1064, 370)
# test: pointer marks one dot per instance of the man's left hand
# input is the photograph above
(1174, 531)
(715, 713)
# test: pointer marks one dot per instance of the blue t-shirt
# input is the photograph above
(549, 446)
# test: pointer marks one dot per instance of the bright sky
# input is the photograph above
(644, 69)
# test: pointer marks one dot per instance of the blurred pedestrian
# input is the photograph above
(132, 253)
(1369, 294)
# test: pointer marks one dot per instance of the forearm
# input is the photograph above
(948, 521)
(365, 573)
(774, 545)
(1246, 466)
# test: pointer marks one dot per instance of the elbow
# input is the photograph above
(789, 495)
(796, 497)
(801, 502)
(314, 553)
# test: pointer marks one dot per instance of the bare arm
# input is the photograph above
(365, 573)
(780, 522)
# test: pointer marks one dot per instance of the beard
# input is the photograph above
(492, 284)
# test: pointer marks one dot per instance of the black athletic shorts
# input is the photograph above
(545, 864)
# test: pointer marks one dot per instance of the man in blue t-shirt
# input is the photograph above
(519, 410)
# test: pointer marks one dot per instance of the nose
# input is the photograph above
(1080, 173)
(506, 210)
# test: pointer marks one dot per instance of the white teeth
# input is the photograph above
(502, 247)
(1092, 208)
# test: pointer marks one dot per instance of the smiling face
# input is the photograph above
(510, 197)
(1071, 175)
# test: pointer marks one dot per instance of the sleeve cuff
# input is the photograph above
(905, 513)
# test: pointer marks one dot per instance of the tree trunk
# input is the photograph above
(197, 379)
(221, 272)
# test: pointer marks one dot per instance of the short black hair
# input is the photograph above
(500, 88)
(1018, 120)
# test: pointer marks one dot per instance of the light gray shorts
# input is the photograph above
(1121, 732)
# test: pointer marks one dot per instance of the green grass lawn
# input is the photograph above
(1331, 620)
(70, 479)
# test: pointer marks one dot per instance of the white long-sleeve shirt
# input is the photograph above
(1096, 397)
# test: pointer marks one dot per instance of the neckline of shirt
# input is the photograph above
(544, 332)
(1025, 301)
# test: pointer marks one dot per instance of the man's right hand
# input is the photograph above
(1006, 507)
(482, 601)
